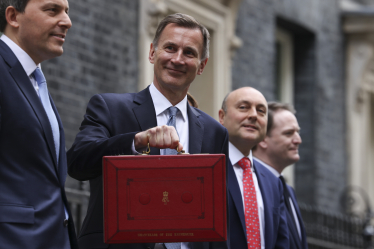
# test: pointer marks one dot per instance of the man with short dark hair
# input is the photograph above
(123, 124)
(256, 206)
(278, 150)
(34, 211)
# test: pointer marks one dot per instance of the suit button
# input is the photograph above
(66, 222)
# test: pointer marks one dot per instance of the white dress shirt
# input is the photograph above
(235, 156)
(29, 66)
(276, 173)
(161, 104)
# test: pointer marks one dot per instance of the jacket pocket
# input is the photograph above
(14, 213)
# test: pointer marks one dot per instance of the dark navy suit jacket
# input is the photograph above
(32, 195)
(276, 232)
(295, 242)
(109, 127)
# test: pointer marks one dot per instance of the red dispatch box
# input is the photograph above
(179, 198)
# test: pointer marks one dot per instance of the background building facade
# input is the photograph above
(315, 54)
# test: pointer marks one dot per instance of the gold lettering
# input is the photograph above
(184, 234)
(169, 234)
(147, 234)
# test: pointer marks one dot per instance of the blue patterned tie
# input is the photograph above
(172, 122)
(44, 97)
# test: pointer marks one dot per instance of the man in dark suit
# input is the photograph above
(256, 206)
(34, 211)
(123, 124)
(278, 150)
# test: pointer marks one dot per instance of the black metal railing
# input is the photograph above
(333, 230)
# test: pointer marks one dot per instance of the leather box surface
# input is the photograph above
(179, 198)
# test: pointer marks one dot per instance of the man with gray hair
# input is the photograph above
(159, 115)
(278, 150)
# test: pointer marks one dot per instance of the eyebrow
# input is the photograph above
(57, 6)
(174, 44)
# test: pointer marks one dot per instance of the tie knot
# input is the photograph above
(245, 163)
(39, 76)
(173, 110)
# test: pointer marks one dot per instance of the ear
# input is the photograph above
(202, 66)
(221, 115)
(11, 16)
(263, 144)
(151, 56)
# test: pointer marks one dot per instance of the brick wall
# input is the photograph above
(100, 55)
(319, 85)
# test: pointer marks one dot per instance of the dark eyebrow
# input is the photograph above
(55, 5)
(170, 43)
(192, 49)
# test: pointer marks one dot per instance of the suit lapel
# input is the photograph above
(196, 130)
(236, 195)
(300, 219)
(145, 113)
(62, 170)
(293, 234)
(23, 82)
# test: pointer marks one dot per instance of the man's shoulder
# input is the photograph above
(207, 119)
(6, 55)
(263, 170)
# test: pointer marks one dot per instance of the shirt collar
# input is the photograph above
(161, 103)
(271, 169)
(27, 63)
(235, 155)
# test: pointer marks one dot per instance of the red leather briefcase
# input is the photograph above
(179, 198)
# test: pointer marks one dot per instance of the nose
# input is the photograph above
(252, 113)
(177, 58)
(297, 138)
(65, 21)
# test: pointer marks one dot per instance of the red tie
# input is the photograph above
(252, 221)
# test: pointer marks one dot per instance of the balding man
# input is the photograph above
(257, 211)
(278, 150)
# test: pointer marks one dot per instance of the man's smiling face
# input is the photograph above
(42, 28)
(177, 58)
(245, 118)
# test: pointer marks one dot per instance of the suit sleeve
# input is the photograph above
(282, 237)
(95, 141)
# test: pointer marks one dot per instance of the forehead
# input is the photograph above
(174, 33)
(63, 3)
(247, 95)
(284, 119)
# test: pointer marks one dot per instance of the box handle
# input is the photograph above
(146, 152)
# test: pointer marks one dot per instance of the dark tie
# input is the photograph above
(252, 221)
(172, 122)
(44, 97)
(286, 195)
